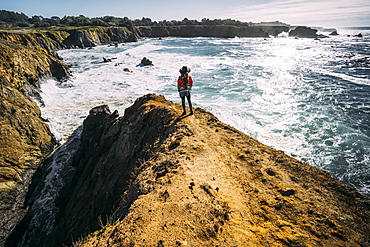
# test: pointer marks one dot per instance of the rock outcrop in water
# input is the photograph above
(303, 32)
(156, 178)
(275, 30)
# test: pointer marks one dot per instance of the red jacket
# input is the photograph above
(182, 87)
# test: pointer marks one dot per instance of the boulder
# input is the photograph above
(107, 60)
(146, 62)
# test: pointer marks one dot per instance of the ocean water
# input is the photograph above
(309, 98)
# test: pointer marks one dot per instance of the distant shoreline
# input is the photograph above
(357, 28)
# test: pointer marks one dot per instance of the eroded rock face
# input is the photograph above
(154, 177)
(25, 58)
(51, 41)
(48, 42)
(275, 30)
(23, 67)
(117, 145)
(25, 141)
(98, 36)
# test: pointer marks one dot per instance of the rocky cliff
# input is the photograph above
(156, 178)
(275, 30)
(53, 40)
(23, 65)
(25, 141)
(94, 36)
(222, 31)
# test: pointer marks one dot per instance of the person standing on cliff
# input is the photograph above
(184, 85)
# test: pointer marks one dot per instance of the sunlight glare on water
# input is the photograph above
(306, 97)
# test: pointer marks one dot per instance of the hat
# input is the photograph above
(184, 70)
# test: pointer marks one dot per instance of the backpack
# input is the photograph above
(185, 79)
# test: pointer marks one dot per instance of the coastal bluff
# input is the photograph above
(25, 138)
(221, 31)
(26, 57)
(162, 167)
(154, 177)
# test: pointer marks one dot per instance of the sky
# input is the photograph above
(323, 13)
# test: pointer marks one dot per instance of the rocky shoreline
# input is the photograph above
(202, 31)
(26, 141)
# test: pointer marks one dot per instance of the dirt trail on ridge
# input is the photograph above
(208, 184)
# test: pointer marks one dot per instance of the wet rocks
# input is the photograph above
(146, 62)
(275, 30)
(303, 32)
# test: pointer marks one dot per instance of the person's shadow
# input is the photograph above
(179, 118)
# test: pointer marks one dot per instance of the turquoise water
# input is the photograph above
(309, 98)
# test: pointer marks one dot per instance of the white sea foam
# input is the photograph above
(280, 91)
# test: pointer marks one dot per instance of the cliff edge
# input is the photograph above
(25, 140)
(156, 178)
(26, 57)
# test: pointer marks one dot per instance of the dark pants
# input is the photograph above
(186, 94)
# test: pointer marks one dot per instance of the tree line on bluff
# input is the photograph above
(13, 19)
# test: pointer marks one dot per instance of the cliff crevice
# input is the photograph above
(26, 57)
(25, 139)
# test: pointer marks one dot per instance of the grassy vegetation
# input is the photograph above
(59, 28)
